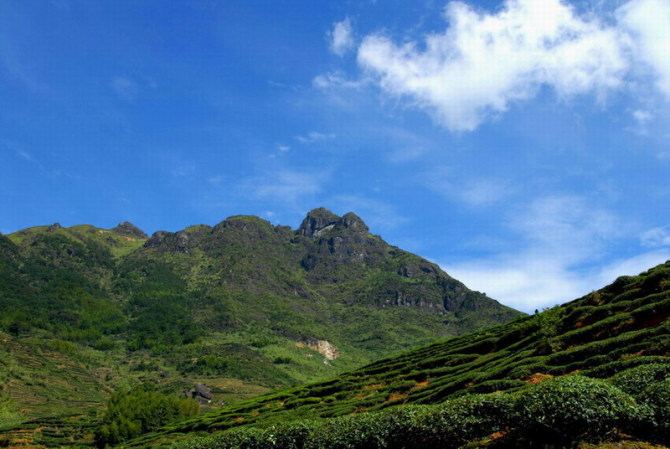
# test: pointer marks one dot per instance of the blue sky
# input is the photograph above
(521, 144)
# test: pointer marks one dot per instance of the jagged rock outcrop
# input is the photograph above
(319, 221)
(316, 221)
(128, 229)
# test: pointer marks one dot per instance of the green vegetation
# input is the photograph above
(617, 339)
(282, 325)
(132, 413)
(557, 413)
(244, 307)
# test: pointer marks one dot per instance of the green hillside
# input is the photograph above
(243, 307)
(595, 368)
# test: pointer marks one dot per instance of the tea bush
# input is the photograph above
(635, 380)
(576, 408)
(555, 413)
(657, 397)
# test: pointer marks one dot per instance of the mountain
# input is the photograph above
(241, 307)
(595, 368)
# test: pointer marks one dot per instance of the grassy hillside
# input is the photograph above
(510, 383)
(243, 307)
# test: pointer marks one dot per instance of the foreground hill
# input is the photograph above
(242, 307)
(593, 368)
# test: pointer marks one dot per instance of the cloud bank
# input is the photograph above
(482, 62)
(561, 236)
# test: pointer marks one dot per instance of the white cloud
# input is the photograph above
(483, 62)
(528, 282)
(286, 185)
(630, 266)
(656, 237)
(561, 237)
(523, 283)
(283, 148)
(649, 23)
(314, 136)
(341, 37)
(567, 226)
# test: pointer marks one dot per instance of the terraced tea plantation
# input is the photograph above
(484, 383)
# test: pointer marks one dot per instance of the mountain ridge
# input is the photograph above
(242, 306)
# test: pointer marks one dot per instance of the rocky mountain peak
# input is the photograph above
(317, 220)
(321, 220)
(128, 229)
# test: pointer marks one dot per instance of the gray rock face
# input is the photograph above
(130, 230)
(54, 227)
(320, 221)
(317, 220)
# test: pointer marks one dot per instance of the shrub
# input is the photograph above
(283, 436)
(575, 408)
(657, 397)
(362, 431)
(635, 380)
(464, 419)
(132, 413)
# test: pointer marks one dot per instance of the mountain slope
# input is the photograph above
(610, 331)
(243, 306)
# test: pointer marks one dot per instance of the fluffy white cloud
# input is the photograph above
(483, 62)
(528, 282)
(562, 237)
(341, 37)
(649, 23)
